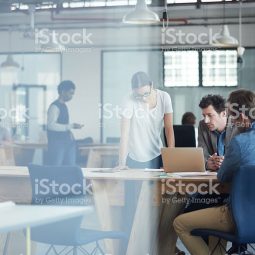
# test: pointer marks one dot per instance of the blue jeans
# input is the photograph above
(132, 190)
(154, 163)
(61, 153)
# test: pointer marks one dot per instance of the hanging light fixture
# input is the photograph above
(9, 62)
(240, 48)
(223, 38)
(141, 15)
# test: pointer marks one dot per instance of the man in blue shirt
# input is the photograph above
(214, 131)
(241, 151)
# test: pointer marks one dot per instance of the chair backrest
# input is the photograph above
(184, 136)
(57, 185)
(243, 203)
(111, 139)
(85, 141)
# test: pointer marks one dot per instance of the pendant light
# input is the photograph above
(9, 62)
(240, 48)
(223, 38)
(141, 15)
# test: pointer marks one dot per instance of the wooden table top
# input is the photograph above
(112, 174)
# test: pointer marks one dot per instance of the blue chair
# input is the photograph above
(51, 185)
(243, 210)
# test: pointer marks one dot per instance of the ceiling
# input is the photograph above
(200, 13)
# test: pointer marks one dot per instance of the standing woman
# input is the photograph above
(145, 113)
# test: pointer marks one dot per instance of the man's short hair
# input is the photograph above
(188, 118)
(65, 86)
(243, 101)
(217, 101)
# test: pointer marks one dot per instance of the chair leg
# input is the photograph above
(84, 251)
(70, 251)
(239, 249)
(48, 251)
(6, 244)
(63, 250)
(99, 248)
(75, 251)
(214, 249)
(250, 245)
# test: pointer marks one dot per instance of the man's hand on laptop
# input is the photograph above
(218, 161)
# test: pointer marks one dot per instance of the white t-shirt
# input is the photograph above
(146, 126)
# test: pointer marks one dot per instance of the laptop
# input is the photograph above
(183, 160)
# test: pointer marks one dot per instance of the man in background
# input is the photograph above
(188, 118)
(61, 143)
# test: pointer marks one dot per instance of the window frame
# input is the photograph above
(200, 69)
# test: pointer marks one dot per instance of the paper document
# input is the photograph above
(190, 174)
(152, 170)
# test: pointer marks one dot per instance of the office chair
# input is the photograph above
(82, 160)
(184, 136)
(65, 233)
(243, 209)
(113, 140)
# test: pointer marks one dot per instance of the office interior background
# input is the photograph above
(43, 42)
(178, 53)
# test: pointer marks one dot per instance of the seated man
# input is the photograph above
(241, 151)
(214, 133)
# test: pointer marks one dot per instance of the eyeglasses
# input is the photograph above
(143, 96)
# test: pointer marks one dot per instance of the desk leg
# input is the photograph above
(142, 236)
(103, 208)
(28, 241)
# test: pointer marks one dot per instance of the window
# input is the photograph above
(181, 68)
(207, 68)
(219, 68)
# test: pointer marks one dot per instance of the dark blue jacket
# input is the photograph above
(241, 151)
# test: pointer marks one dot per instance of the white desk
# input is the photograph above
(109, 191)
(15, 217)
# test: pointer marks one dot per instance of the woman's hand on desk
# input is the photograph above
(121, 167)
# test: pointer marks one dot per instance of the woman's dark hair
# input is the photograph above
(140, 79)
(243, 101)
(65, 86)
(217, 101)
(188, 118)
